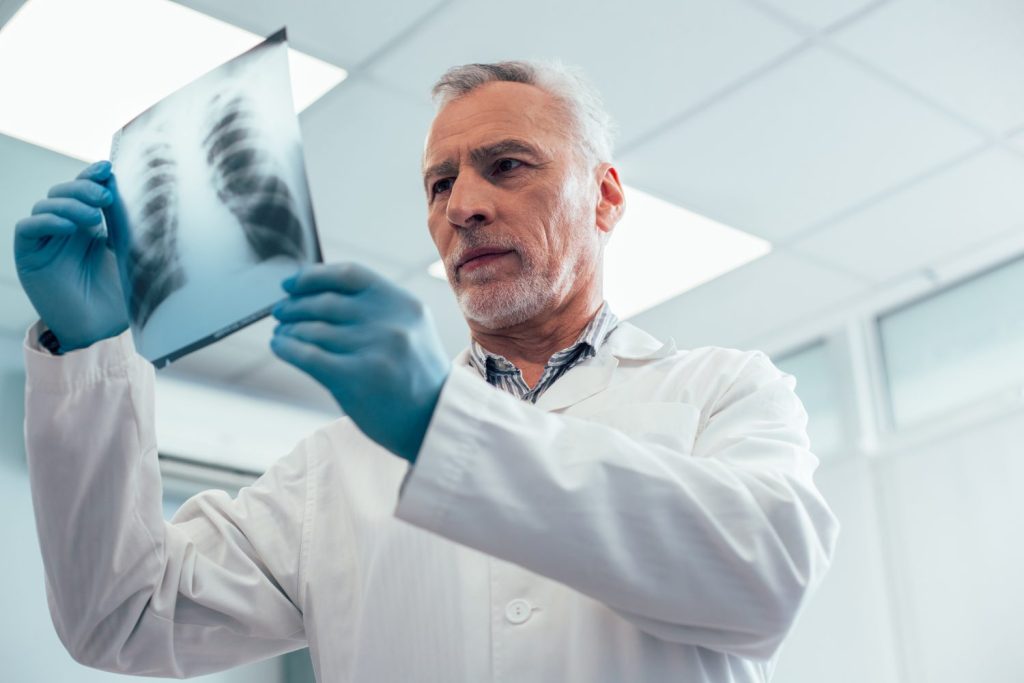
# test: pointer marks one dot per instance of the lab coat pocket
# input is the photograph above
(669, 424)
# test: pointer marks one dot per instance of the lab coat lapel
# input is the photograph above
(582, 381)
(627, 342)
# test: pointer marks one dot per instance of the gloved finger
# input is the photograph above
(323, 366)
(347, 278)
(98, 171)
(329, 307)
(86, 191)
(333, 338)
(74, 210)
(43, 225)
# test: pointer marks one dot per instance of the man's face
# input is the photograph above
(510, 204)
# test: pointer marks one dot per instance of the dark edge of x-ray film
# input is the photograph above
(216, 205)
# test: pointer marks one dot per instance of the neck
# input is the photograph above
(531, 343)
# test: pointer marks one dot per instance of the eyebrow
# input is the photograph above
(480, 155)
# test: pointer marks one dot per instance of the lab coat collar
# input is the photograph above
(629, 342)
(626, 342)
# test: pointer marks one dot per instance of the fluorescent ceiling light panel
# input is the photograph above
(660, 250)
(74, 72)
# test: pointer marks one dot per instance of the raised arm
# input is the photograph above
(217, 587)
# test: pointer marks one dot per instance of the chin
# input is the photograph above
(499, 305)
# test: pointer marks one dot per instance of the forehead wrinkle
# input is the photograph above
(506, 146)
(482, 154)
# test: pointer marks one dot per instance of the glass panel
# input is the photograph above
(955, 347)
(817, 387)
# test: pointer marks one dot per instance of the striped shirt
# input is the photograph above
(502, 373)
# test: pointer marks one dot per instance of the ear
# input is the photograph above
(612, 202)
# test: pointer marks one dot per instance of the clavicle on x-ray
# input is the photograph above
(215, 203)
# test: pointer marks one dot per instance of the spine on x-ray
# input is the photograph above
(248, 180)
(154, 269)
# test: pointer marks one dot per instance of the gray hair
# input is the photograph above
(593, 128)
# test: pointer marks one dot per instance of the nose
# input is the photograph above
(470, 202)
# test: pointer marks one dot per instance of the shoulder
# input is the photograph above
(702, 375)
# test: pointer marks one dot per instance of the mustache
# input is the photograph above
(475, 240)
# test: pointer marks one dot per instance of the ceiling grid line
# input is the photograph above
(908, 89)
(800, 27)
(888, 192)
(363, 66)
(821, 39)
(814, 259)
(811, 37)
(657, 131)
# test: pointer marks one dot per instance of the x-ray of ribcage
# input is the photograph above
(249, 181)
(216, 204)
(155, 269)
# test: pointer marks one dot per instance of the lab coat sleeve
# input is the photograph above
(716, 548)
(127, 591)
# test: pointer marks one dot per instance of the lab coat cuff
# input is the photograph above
(106, 358)
(431, 485)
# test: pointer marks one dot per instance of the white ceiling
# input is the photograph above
(867, 140)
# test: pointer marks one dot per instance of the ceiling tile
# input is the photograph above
(26, 174)
(339, 250)
(363, 146)
(344, 33)
(750, 302)
(438, 297)
(244, 362)
(1018, 142)
(949, 212)
(18, 313)
(819, 14)
(280, 381)
(801, 144)
(650, 60)
(228, 357)
(966, 54)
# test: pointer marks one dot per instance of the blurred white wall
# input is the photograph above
(925, 587)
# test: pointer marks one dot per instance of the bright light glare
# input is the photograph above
(74, 72)
(437, 270)
(660, 250)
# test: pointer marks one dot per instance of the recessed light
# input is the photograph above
(87, 68)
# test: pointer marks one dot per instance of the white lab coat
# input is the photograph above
(652, 518)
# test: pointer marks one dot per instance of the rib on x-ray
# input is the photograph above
(154, 268)
(248, 180)
(215, 204)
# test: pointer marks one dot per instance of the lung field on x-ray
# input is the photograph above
(155, 269)
(249, 181)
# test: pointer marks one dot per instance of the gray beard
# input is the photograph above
(508, 303)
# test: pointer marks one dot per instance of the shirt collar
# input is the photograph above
(588, 343)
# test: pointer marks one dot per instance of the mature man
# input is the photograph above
(572, 500)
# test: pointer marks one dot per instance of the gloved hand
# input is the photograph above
(64, 262)
(372, 344)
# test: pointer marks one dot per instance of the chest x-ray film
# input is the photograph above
(216, 205)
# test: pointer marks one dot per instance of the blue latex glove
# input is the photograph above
(64, 262)
(372, 344)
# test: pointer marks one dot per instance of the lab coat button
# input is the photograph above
(518, 611)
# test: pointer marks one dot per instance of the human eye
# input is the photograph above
(442, 185)
(506, 165)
